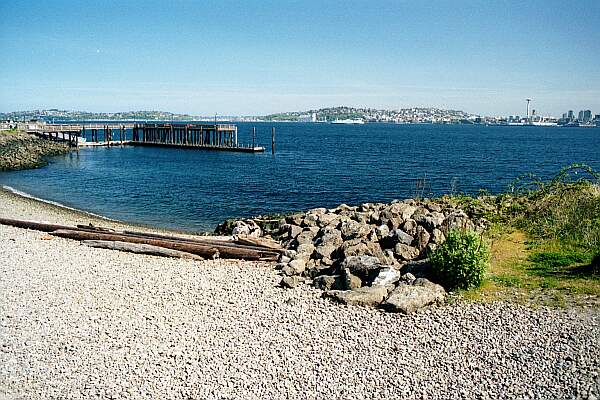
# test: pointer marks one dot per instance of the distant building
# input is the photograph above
(571, 115)
(585, 116)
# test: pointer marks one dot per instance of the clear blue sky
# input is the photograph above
(257, 57)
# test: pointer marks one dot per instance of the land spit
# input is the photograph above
(19, 150)
(79, 322)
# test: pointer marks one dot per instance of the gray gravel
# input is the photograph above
(79, 322)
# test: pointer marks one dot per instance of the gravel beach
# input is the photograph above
(79, 322)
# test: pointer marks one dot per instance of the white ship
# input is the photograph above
(355, 121)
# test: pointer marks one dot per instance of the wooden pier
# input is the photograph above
(221, 137)
(198, 136)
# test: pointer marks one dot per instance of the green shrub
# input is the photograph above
(460, 262)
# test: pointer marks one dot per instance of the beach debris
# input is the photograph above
(141, 249)
(203, 246)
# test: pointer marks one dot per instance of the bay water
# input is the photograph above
(315, 165)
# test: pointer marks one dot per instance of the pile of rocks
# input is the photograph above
(373, 254)
(19, 150)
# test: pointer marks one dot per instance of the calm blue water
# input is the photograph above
(315, 165)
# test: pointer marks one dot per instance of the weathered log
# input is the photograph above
(207, 251)
(38, 226)
(259, 242)
(141, 249)
(206, 240)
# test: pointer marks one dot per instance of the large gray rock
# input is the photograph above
(362, 266)
(351, 281)
(386, 276)
(306, 237)
(410, 226)
(353, 248)
(382, 231)
(406, 252)
(328, 220)
(304, 251)
(457, 220)
(369, 296)
(410, 298)
(353, 230)
(310, 220)
(437, 236)
(324, 251)
(246, 228)
(295, 267)
(329, 282)
(422, 238)
(402, 237)
(329, 236)
(290, 282)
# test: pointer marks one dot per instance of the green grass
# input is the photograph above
(545, 240)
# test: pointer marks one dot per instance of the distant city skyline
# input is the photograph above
(263, 57)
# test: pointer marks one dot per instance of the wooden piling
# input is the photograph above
(273, 140)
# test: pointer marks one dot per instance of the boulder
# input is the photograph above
(410, 298)
(402, 237)
(294, 231)
(295, 267)
(406, 252)
(327, 220)
(353, 248)
(422, 238)
(290, 282)
(246, 228)
(295, 219)
(351, 281)
(382, 231)
(418, 268)
(410, 226)
(434, 207)
(304, 251)
(369, 296)
(324, 251)
(457, 220)
(306, 237)
(386, 276)
(362, 266)
(329, 282)
(310, 220)
(354, 229)
(329, 236)
(437, 236)
(408, 278)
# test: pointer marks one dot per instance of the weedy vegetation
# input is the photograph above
(545, 240)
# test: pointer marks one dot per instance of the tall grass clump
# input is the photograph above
(461, 261)
(565, 210)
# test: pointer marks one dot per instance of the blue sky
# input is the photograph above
(258, 57)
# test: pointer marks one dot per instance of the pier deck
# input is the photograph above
(216, 137)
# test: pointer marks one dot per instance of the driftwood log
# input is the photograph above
(204, 250)
(254, 249)
(38, 226)
(140, 249)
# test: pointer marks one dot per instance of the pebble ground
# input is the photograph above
(79, 323)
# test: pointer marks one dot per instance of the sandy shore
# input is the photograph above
(79, 322)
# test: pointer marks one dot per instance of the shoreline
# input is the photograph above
(20, 205)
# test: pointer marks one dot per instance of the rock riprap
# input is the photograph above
(19, 150)
(367, 254)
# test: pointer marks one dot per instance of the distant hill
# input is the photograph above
(54, 115)
(429, 114)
